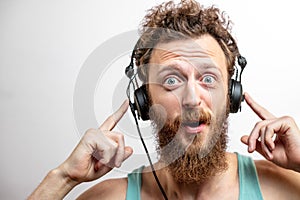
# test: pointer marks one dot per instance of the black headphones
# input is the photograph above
(141, 100)
(235, 91)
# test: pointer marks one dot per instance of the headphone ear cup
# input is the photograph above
(141, 101)
(236, 95)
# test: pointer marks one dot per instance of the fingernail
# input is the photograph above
(249, 149)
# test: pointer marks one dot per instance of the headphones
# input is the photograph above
(235, 91)
(141, 99)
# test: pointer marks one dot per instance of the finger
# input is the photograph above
(260, 111)
(112, 120)
(120, 153)
(123, 152)
(265, 150)
(269, 133)
(259, 149)
(105, 168)
(284, 126)
(128, 152)
(245, 139)
(254, 135)
(104, 147)
(258, 132)
(107, 152)
(101, 169)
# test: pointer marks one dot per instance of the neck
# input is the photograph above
(223, 181)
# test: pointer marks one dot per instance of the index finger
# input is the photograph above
(258, 109)
(113, 119)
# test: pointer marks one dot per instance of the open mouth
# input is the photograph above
(192, 124)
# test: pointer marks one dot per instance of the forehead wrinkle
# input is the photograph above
(193, 59)
(167, 58)
(193, 51)
(182, 51)
(198, 63)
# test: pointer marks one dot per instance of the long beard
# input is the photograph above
(192, 159)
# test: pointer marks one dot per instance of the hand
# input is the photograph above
(284, 150)
(98, 152)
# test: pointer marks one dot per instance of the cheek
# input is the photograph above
(165, 100)
(218, 99)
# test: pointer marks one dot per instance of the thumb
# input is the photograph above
(128, 152)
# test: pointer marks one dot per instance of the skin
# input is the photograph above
(279, 175)
(188, 74)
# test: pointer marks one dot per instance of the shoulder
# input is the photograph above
(277, 182)
(108, 189)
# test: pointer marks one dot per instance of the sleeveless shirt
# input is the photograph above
(249, 188)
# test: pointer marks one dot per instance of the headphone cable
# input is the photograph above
(146, 150)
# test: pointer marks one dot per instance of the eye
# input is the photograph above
(171, 81)
(209, 79)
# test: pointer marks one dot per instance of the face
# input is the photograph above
(189, 74)
(188, 80)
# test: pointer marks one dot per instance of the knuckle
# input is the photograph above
(104, 160)
(105, 133)
(258, 124)
(268, 129)
(112, 149)
(89, 134)
(262, 130)
(288, 119)
(90, 131)
(120, 136)
(107, 155)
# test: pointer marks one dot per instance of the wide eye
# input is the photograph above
(208, 79)
(171, 81)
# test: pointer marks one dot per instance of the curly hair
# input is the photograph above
(188, 19)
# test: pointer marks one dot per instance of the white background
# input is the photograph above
(43, 45)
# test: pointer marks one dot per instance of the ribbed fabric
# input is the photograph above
(249, 184)
(134, 184)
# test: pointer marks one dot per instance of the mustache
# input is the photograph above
(188, 116)
(168, 128)
(195, 117)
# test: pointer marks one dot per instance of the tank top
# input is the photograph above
(249, 188)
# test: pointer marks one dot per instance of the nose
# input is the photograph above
(191, 95)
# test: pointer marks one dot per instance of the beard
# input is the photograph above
(192, 158)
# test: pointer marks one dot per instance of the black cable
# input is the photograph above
(147, 153)
(132, 108)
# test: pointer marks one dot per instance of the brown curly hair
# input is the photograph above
(188, 19)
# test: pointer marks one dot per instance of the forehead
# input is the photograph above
(201, 51)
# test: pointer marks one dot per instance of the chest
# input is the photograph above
(230, 192)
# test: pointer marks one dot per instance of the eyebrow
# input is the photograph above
(170, 67)
(177, 67)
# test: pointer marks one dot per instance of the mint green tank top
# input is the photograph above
(248, 181)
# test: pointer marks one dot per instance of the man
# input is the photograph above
(186, 58)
